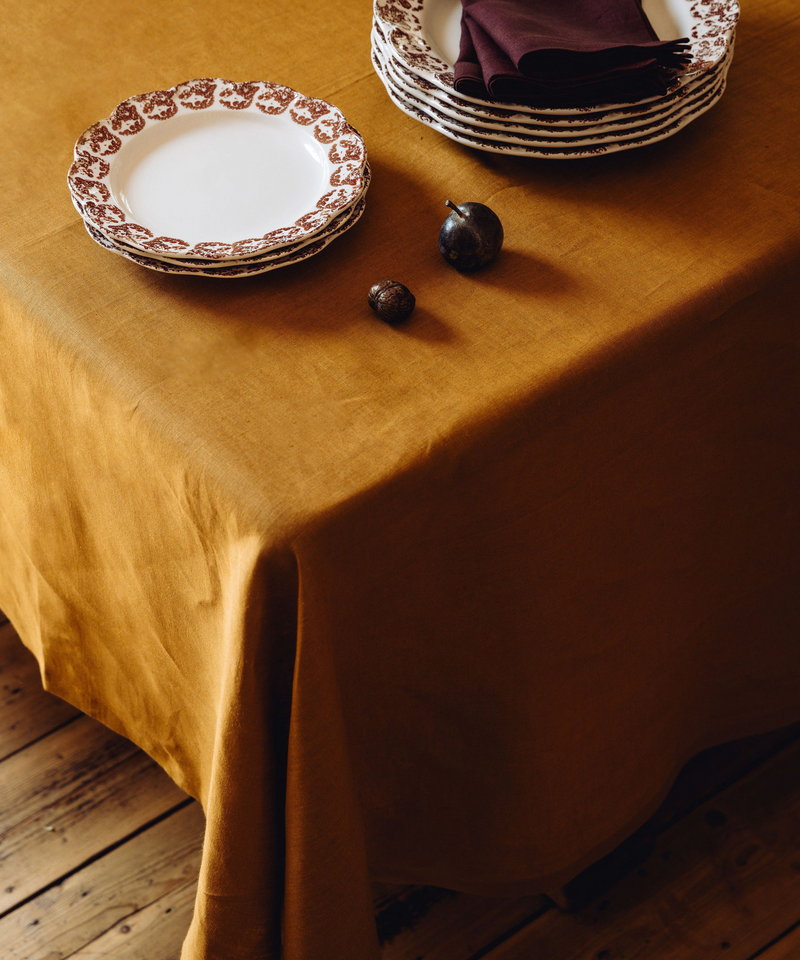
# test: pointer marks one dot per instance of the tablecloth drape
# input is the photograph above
(448, 603)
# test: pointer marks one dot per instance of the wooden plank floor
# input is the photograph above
(99, 854)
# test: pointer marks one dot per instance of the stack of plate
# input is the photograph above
(415, 46)
(219, 178)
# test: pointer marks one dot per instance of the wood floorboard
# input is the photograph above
(785, 947)
(69, 796)
(87, 904)
(444, 925)
(99, 854)
(153, 933)
(27, 711)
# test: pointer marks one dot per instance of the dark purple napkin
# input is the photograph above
(563, 52)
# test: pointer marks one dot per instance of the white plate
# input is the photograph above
(628, 126)
(544, 153)
(229, 271)
(425, 36)
(217, 169)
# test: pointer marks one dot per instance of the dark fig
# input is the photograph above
(392, 301)
(471, 236)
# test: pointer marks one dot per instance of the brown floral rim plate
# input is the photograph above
(424, 36)
(217, 169)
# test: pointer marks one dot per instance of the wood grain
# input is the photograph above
(154, 933)
(27, 711)
(786, 948)
(52, 768)
(455, 926)
(69, 796)
(89, 903)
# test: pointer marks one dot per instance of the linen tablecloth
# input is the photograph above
(448, 603)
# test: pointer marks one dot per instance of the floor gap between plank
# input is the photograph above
(775, 941)
(42, 736)
(506, 935)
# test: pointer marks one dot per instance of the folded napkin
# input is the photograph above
(563, 52)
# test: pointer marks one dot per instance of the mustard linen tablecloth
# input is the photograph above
(448, 603)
